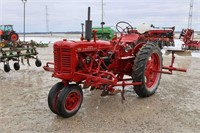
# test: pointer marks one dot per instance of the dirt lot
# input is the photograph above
(174, 108)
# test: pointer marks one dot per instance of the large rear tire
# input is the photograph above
(13, 37)
(70, 100)
(147, 64)
(53, 96)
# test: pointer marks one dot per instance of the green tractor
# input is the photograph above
(7, 33)
(107, 33)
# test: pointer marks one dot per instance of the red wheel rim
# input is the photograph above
(151, 73)
(72, 101)
(14, 37)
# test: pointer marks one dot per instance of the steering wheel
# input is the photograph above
(124, 27)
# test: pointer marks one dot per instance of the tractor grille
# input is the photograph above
(62, 60)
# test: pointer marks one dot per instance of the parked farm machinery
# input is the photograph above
(105, 33)
(187, 35)
(7, 33)
(17, 51)
(11, 49)
(132, 58)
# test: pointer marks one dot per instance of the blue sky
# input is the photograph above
(67, 15)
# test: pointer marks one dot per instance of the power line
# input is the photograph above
(190, 14)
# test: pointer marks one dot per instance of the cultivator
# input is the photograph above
(17, 51)
(11, 49)
(132, 59)
(187, 35)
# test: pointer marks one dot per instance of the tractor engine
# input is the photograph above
(72, 56)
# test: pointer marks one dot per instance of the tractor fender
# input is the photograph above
(1, 32)
(137, 47)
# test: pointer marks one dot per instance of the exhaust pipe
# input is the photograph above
(88, 27)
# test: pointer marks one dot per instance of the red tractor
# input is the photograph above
(7, 33)
(132, 59)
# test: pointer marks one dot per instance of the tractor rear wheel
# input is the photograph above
(53, 96)
(69, 100)
(147, 64)
(13, 37)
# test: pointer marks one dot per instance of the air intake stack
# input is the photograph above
(88, 27)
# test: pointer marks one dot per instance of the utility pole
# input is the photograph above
(190, 15)
(24, 2)
(47, 19)
(102, 22)
(102, 11)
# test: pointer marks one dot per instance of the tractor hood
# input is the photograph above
(84, 46)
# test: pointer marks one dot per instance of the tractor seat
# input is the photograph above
(142, 28)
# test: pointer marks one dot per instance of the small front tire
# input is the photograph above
(53, 96)
(70, 100)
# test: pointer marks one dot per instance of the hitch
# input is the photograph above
(171, 67)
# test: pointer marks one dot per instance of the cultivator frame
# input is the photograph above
(18, 51)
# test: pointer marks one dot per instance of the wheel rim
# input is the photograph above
(151, 73)
(14, 37)
(72, 101)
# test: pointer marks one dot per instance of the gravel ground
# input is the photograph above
(174, 108)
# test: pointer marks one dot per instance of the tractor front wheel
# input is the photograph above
(147, 67)
(69, 100)
(53, 96)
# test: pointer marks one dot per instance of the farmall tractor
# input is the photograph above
(132, 59)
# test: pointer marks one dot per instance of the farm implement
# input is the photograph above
(12, 49)
(187, 35)
(132, 58)
(105, 33)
